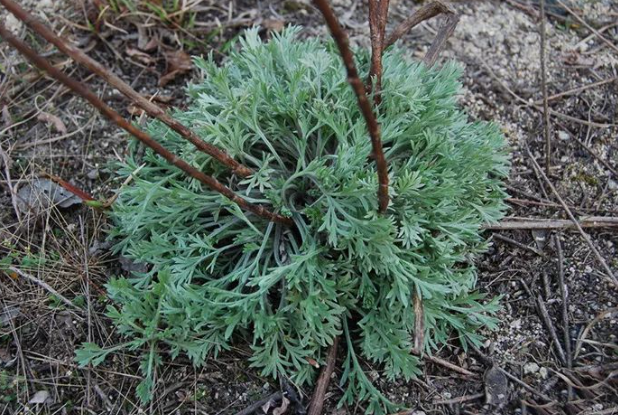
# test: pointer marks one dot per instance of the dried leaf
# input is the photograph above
(313, 362)
(6, 116)
(267, 405)
(53, 120)
(41, 397)
(127, 264)
(140, 56)
(496, 386)
(178, 63)
(8, 315)
(44, 193)
(283, 408)
(274, 25)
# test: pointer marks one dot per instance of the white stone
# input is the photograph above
(531, 368)
(563, 135)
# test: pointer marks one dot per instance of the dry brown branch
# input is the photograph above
(378, 14)
(555, 224)
(517, 244)
(151, 108)
(317, 400)
(251, 409)
(438, 43)
(447, 365)
(540, 304)
(563, 299)
(85, 93)
(341, 39)
(546, 122)
(586, 237)
(419, 324)
(425, 12)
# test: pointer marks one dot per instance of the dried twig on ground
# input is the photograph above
(586, 237)
(596, 156)
(584, 333)
(341, 39)
(438, 43)
(557, 224)
(564, 305)
(537, 107)
(419, 324)
(317, 400)
(546, 122)
(592, 29)
(550, 328)
(85, 93)
(517, 244)
(489, 362)
(578, 90)
(6, 160)
(151, 108)
(275, 397)
(448, 365)
(378, 10)
(425, 12)
(45, 286)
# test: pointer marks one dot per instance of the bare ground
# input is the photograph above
(45, 129)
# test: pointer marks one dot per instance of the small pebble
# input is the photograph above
(531, 368)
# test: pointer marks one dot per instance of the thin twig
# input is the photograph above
(448, 365)
(45, 286)
(546, 125)
(555, 224)
(596, 156)
(586, 237)
(277, 396)
(489, 362)
(537, 107)
(149, 107)
(577, 90)
(584, 333)
(419, 324)
(565, 308)
(459, 399)
(425, 12)
(81, 90)
(517, 244)
(317, 400)
(6, 160)
(550, 328)
(438, 43)
(341, 39)
(375, 71)
(592, 29)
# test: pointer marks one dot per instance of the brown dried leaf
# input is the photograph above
(53, 120)
(178, 63)
(274, 25)
(6, 116)
(312, 362)
(140, 56)
(283, 408)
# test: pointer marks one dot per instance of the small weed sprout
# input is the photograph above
(218, 274)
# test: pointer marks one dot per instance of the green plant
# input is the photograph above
(218, 274)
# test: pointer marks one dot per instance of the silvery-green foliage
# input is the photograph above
(219, 275)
